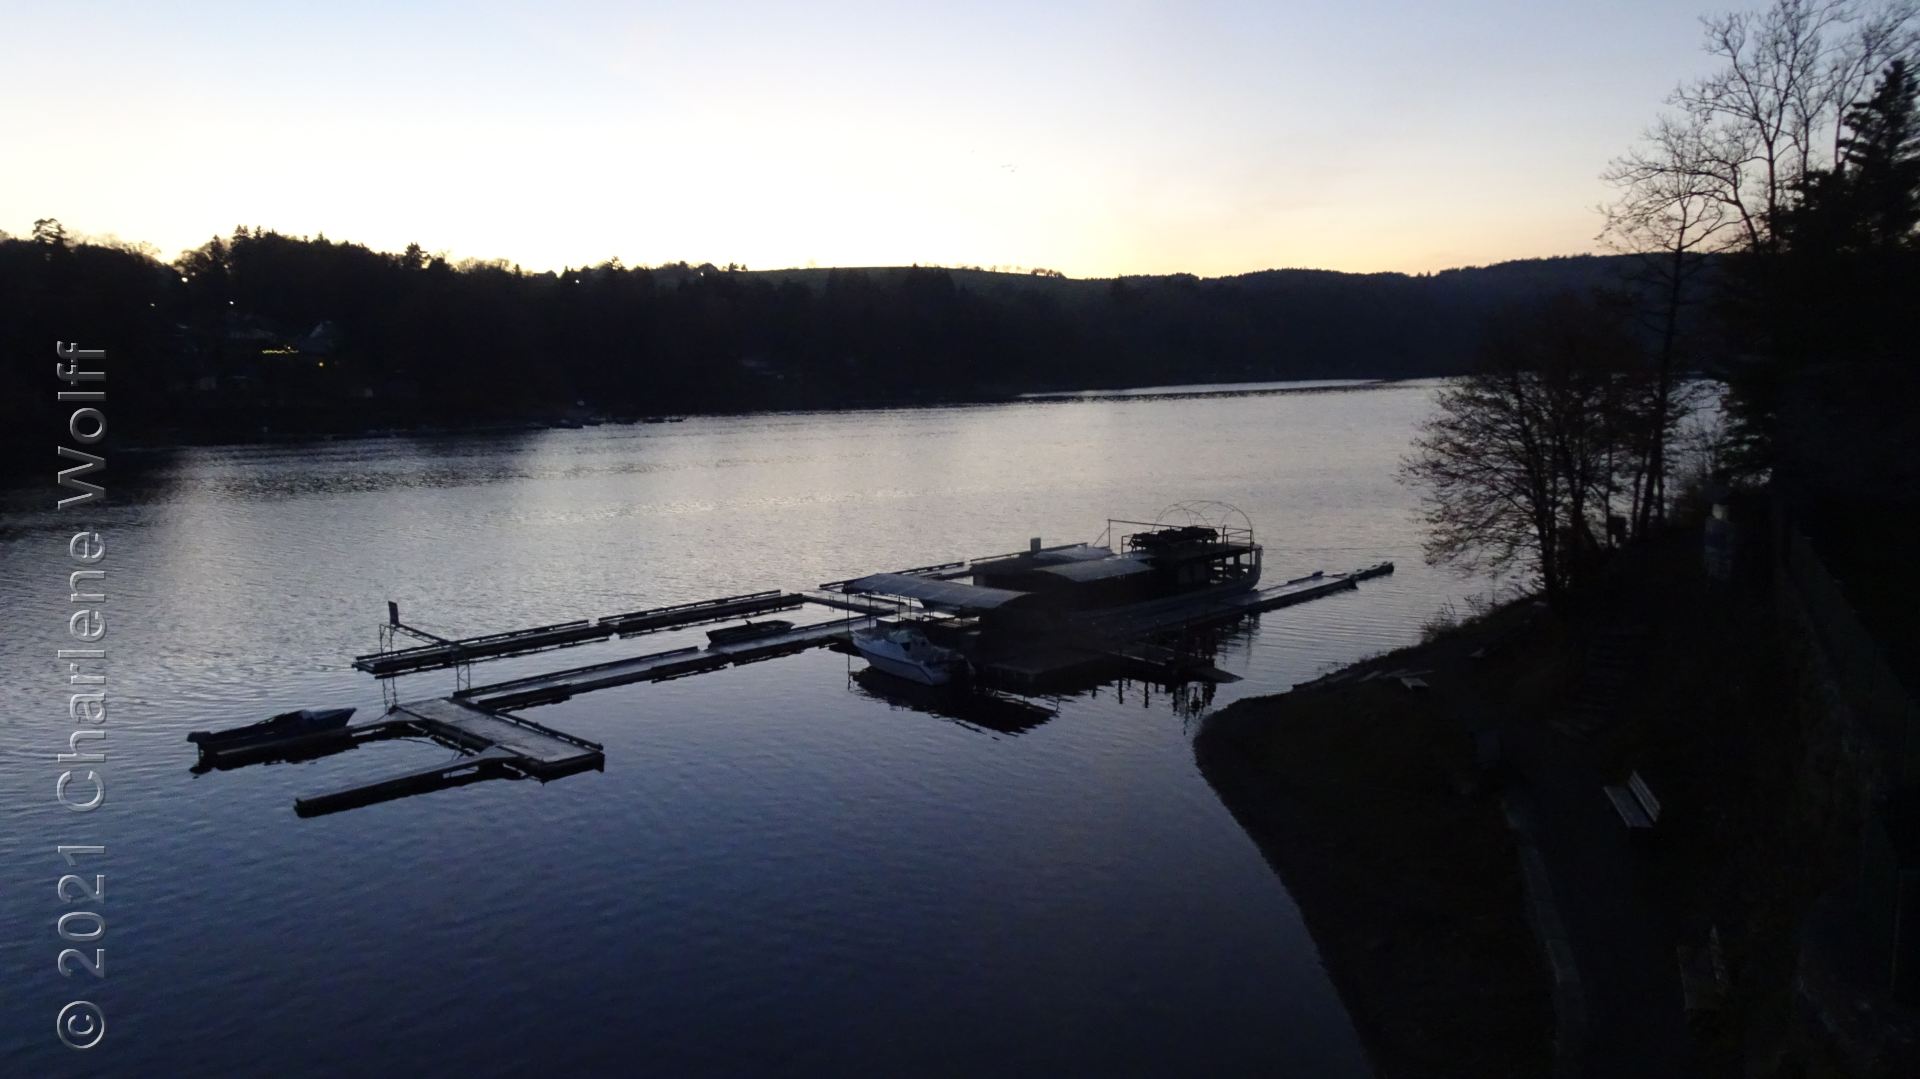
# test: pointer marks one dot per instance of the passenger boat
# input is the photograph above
(905, 652)
(747, 631)
(284, 725)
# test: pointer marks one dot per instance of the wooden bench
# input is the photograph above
(1639, 810)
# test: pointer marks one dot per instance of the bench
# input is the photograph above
(1639, 810)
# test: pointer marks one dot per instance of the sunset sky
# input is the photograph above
(1096, 139)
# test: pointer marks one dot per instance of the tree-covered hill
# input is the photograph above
(265, 334)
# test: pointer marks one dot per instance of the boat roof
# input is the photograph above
(1084, 552)
(1097, 570)
(1053, 556)
(950, 595)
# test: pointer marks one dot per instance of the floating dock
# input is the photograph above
(490, 741)
(441, 653)
(1178, 612)
(1117, 638)
(490, 745)
(657, 667)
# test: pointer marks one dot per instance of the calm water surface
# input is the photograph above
(777, 871)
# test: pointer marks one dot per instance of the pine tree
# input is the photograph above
(1880, 161)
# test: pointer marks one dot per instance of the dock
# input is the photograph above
(440, 653)
(1118, 639)
(1166, 615)
(656, 667)
(490, 741)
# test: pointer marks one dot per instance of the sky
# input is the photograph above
(1096, 139)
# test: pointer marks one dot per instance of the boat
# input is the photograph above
(748, 631)
(284, 725)
(905, 652)
(1154, 562)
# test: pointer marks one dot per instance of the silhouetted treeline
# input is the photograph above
(263, 334)
(1823, 309)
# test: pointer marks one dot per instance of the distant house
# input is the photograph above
(322, 340)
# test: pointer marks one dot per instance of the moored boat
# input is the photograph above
(905, 652)
(284, 725)
(747, 631)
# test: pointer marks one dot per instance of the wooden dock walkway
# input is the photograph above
(520, 642)
(1178, 612)
(655, 667)
(538, 749)
(488, 744)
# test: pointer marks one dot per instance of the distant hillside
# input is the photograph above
(1278, 323)
(264, 334)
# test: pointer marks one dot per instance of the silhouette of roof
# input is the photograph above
(949, 595)
(1098, 569)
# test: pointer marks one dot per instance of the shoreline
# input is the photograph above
(532, 425)
(1401, 859)
(1477, 790)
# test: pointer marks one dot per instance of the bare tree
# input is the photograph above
(1672, 221)
(1722, 169)
(1519, 465)
(1744, 135)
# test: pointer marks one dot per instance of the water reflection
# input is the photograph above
(1225, 389)
(1186, 683)
(1191, 701)
(974, 707)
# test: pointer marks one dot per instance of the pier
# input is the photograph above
(491, 741)
(657, 667)
(1120, 638)
(440, 653)
(488, 743)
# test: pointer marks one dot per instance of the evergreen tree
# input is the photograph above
(1881, 161)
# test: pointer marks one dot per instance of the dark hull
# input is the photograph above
(286, 725)
(748, 632)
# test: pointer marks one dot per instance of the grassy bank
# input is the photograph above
(1363, 796)
(1407, 876)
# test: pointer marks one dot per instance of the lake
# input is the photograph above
(777, 869)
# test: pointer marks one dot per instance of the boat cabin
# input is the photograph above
(1156, 562)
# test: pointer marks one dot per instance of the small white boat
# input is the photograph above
(905, 652)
